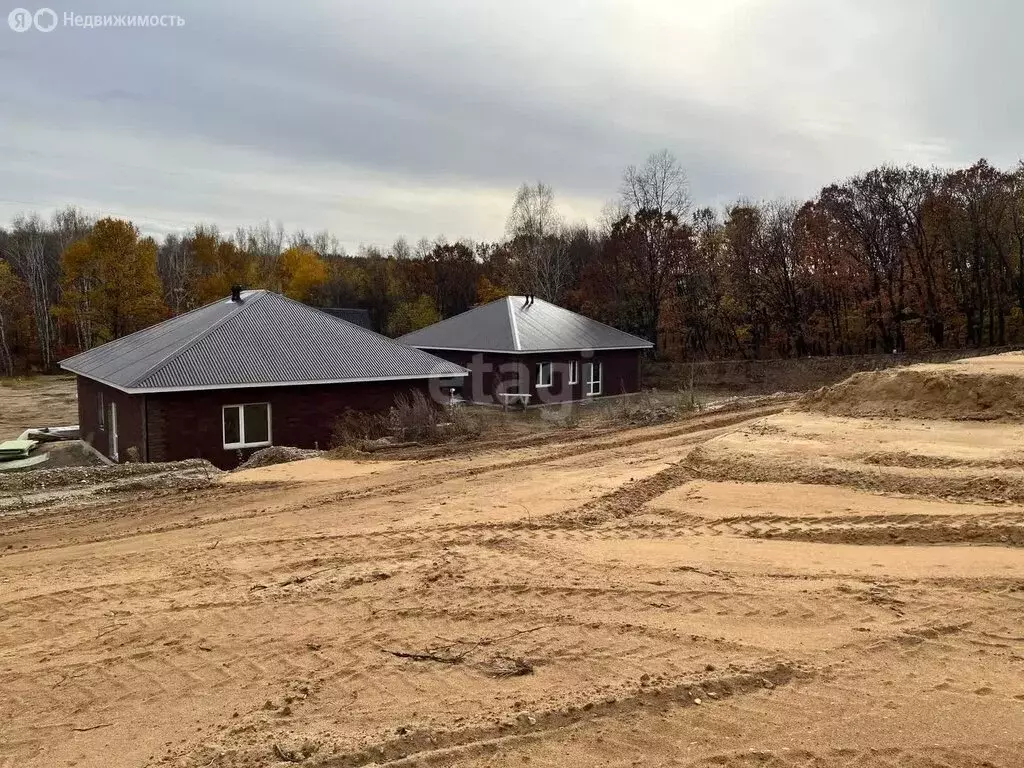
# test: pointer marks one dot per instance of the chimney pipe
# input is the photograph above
(236, 293)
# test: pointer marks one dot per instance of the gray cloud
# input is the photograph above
(413, 117)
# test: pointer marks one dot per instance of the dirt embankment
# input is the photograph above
(982, 389)
(790, 375)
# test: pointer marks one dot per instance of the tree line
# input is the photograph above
(894, 259)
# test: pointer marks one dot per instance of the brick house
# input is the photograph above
(242, 373)
(527, 346)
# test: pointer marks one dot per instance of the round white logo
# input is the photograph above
(45, 20)
(20, 20)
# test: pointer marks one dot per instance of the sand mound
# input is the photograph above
(954, 392)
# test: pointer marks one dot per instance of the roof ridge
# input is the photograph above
(516, 344)
(170, 358)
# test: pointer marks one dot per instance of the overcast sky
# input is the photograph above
(380, 118)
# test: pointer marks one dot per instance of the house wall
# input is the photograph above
(621, 373)
(186, 425)
(130, 419)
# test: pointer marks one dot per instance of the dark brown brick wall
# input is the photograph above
(621, 373)
(130, 418)
(186, 425)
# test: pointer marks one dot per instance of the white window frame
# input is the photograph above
(591, 380)
(574, 371)
(541, 368)
(241, 428)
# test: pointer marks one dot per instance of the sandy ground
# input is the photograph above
(42, 401)
(743, 589)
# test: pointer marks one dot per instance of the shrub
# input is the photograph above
(353, 428)
(462, 422)
(414, 417)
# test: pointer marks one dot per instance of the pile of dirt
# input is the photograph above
(948, 392)
(278, 454)
(65, 477)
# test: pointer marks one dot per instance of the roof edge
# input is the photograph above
(552, 350)
(257, 385)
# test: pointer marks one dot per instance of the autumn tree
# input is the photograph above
(216, 264)
(451, 268)
(486, 291)
(110, 282)
(301, 272)
(648, 249)
(866, 207)
(410, 316)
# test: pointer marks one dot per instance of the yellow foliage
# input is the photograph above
(300, 272)
(486, 291)
(111, 286)
(410, 316)
(218, 265)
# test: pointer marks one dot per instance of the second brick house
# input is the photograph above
(525, 346)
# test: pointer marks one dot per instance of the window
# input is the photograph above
(594, 379)
(574, 372)
(246, 426)
(543, 375)
(101, 411)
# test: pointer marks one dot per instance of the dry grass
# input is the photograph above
(413, 419)
(31, 382)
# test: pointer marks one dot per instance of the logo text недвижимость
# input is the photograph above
(46, 20)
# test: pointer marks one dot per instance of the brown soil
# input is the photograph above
(42, 401)
(982, 388)
(740, 589)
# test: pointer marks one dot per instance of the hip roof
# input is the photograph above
(264, 339)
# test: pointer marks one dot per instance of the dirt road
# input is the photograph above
(658, 596)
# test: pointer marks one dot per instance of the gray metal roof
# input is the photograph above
(512, 325)
(264, 340)
(360, 317)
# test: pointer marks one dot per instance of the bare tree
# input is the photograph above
(26, 251)
(401, 249)
(10, 291)
(535, 228)
(174, 262)
(612, 212)
(422, 249)
(264, 244)
(659, 185)
(70, 224)
(299, 239)
(326, 244)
